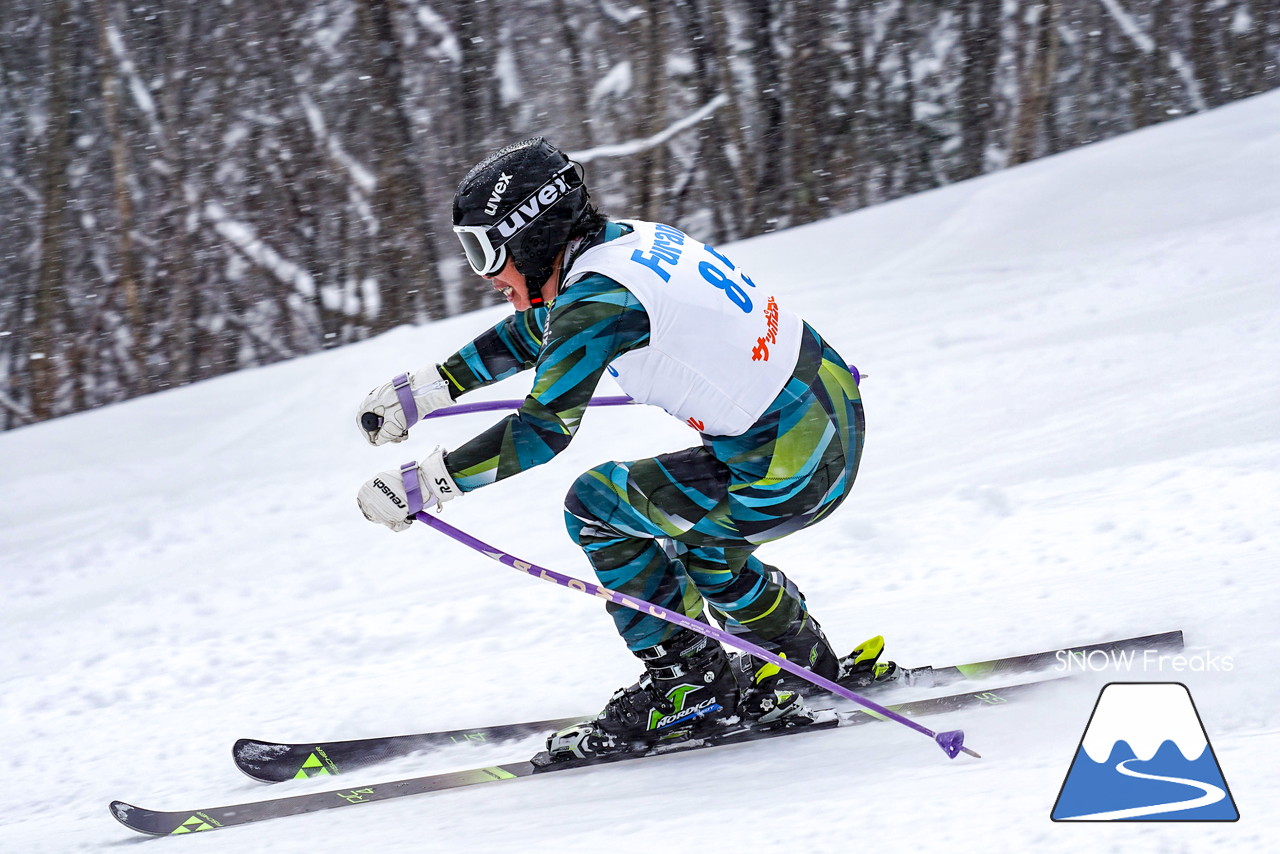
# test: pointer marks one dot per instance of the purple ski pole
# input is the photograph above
(495, 405)
(951, 742)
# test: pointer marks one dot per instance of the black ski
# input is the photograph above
(273, 762)
(162, 823)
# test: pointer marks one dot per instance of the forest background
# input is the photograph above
(191, 188)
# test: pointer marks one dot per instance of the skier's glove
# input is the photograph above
(391, 409)
(393, 497)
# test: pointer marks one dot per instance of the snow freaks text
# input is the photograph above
(1150, 660)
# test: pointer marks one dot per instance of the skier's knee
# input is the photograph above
(589, 502)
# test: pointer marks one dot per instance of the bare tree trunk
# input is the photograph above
(176, 255)
(409, 246)
(43, 354)
(1249, 60)
(772, 167)
(809, 94)
(650, 165)
(714, 153)
(121, 183)
(478, 100)
(1089, 73)
(913, 163)
(980, 50)
(738, 151)
(1036, 81)
(475, 109)
(1204, 54)
(859, 145)
(1162, 101)
(580, 87)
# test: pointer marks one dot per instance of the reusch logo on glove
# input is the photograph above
(390, 493)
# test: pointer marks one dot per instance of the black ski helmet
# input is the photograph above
(522, 200)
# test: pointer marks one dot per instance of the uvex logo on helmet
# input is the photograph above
(538, 201)
(496, 196)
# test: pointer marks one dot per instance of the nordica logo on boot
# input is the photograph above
(681, 713)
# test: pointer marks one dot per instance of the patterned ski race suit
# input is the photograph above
(680, 326)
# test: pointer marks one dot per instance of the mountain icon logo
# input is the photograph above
(1145, 756)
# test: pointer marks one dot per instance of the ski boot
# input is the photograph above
(687, 687)
(805, 644)
(802, 643)
(688, 690)
(863, 668)
(766, 703)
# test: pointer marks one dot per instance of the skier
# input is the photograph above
(681, 326)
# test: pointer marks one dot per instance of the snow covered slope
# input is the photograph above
(1073, 409)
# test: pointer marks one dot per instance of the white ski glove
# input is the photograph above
(391, 409)
(393, 497)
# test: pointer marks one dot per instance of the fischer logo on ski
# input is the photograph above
(199, 821)
(313, 767)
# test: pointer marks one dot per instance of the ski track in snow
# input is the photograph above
(1072, 396)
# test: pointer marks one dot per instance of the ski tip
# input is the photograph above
(251, 750)
(243, 745)
(952, 743)
(261, 760)
(124, 813)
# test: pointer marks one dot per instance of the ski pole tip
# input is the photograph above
(952, 743)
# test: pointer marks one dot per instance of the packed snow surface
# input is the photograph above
(1073, 416)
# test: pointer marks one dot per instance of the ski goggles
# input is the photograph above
(486, 245)
(485, 259)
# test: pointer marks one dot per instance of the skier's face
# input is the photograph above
(511, 283)
(515, 289)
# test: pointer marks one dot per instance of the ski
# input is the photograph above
(166, 823)
(274, 762)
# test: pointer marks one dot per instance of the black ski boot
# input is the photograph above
(807, 645)
(688, 686)
(863, 668)
(804, 644)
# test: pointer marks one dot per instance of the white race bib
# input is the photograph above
(720, 346)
